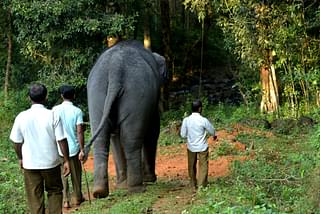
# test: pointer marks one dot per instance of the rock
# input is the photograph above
(257, 123)
(284, 126)
(305, 121)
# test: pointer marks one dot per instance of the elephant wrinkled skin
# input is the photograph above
(123, 93)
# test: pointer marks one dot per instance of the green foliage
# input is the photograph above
(271, 182)
(249, 139)
(201, 8)
(120, 202)
(3, 39)
(224, 148)
(222, 115)
(62, 39)
(66, 36)
(238, 21)
(12, 195)
(137, 204)
(315, 138)
(170, 136)
(281, 176)
(8, 110)
(279, 33)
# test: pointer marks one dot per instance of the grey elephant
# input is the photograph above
(123, 93)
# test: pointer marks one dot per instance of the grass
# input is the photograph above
(281, 177)
(120, 201)
(12, 198)
(275, 181)
(11, 179)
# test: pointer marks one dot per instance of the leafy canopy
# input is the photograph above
(66, 36)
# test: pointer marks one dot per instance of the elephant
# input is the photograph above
(123, 91)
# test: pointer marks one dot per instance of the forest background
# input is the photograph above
(260, 54)
(270, 49)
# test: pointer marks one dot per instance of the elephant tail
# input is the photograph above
(111, 97)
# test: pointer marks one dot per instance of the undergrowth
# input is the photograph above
(282, 174)
(12, 197)
(282, 177)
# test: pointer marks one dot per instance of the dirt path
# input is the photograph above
(171, 162)
(171, 165)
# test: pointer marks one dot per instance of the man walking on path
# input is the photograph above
(36, 134)
(195, 128)
(72, 120)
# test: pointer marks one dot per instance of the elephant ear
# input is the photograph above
(162, 67)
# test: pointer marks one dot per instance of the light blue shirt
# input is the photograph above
(195, 128)
(71, 116)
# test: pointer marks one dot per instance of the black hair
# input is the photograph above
(196, 105)
(67, 91)
(38, 92)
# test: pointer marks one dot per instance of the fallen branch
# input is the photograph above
(289, 179)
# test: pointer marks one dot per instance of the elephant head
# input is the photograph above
(162, 67)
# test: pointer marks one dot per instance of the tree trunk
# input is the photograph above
(166, 37)
(9, 58)
(270, 94)
(318, 98)
(146, 30)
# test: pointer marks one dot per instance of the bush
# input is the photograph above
(12, 197)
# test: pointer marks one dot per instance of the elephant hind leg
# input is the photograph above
(100, 193)
(101, 186)
(101, 183)
(134, 170)
(119, 161)
(150, 178)
(148, 157)
(122, 185)
(101, 190)
(150, 150)
(137, 189)
(149, 165)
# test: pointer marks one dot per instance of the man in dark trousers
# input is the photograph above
(195, 128)
(72, 120)
(36, 134)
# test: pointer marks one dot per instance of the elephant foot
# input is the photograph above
(122, 185)
(100, 192)
(149, 178)
(137, 189)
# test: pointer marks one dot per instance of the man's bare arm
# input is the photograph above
(63, 144)
(18, 150)
(80, 135)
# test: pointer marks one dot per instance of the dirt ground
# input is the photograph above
(171, 164)
(171, 161)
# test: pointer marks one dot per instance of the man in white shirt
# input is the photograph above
(195, 128)
(72, 120)
(36, 134)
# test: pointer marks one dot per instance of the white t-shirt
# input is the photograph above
(195, 128)
(71, 116)
(39, 130)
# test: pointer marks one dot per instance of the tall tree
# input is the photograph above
(9, 58)
(248, 28)
(274, 38)
(6, 28)
(270, 36)
(146, 28)
(166, 40)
